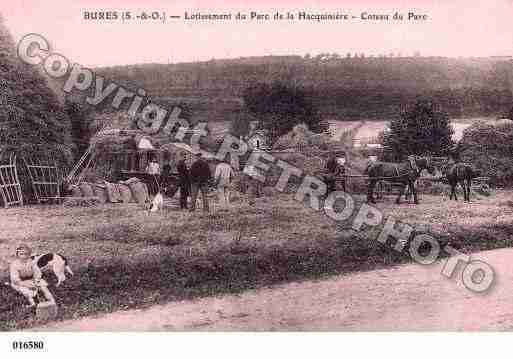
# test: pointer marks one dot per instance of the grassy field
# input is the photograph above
(123, 258)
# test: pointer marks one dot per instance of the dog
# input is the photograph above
(157, 204)
(54, 262)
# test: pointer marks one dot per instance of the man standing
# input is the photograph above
(342, 172)
(223, 178)
(134, 153)
(200, 176)
(183, 180)
(332, 172)
(153, 170)
(253, 185)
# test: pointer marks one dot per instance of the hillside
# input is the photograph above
(344, 88)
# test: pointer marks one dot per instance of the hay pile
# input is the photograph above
(309, 165)
(129, 191)
(32, 121)
(302, 139)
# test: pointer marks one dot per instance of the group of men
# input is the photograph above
(198, 178)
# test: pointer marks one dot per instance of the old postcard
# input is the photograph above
(231, 166)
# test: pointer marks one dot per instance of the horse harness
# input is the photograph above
(413, 165)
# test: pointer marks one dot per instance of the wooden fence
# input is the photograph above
(45, 178)
(10, 187)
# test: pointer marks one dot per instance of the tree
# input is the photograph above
(241, 125)
(279, 107)
(420, 130)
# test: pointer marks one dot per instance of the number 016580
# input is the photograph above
(29, 345)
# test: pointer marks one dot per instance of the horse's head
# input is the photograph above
(425, 163)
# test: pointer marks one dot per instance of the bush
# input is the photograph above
(489, 149)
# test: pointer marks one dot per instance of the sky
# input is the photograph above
(453, 28)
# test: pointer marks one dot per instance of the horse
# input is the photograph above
(461, 173)
(404, 174)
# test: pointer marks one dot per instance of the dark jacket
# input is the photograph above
(333, 167)
(131, 144)
(200, 172)
(183, 172)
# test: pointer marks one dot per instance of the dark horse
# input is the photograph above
(461, 173)
(404, 174)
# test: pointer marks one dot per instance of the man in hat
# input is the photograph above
(333, 172)
(253, 185)
(26, 277)
(223, 178)
(200, 177)
(153, 170)
(135, 157)
(183, 180)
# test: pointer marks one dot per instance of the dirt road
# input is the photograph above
(409, 297)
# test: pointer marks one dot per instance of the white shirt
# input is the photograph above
(153, 168)
(223, 174)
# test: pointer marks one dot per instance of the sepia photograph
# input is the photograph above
(236, 166)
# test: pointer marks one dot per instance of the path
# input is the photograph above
(408, 297)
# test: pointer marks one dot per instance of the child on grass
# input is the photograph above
(26, 277)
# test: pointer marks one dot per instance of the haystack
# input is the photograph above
(301, 138)
(32, 120)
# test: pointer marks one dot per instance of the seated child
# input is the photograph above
(26, 276)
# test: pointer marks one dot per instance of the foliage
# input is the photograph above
(281, 106)
(490, 149)
(420, 130)
(32, 121)
(241, 125)
(358, 88)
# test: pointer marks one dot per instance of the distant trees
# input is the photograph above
(371, 88)
(421, 129)
(279, 107)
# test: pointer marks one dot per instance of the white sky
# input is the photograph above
(454, 28)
